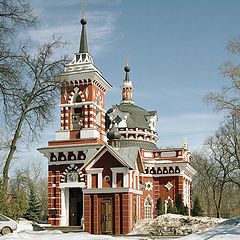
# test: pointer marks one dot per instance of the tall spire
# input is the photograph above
(127, 87)
(83, 42)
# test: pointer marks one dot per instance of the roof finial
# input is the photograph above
(83, 42)
(126, 69)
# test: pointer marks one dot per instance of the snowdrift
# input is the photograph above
(174, 225)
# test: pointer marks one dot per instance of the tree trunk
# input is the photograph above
(12, 150)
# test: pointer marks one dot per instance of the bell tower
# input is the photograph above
(82, 96)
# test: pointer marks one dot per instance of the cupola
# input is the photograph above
(127, 87)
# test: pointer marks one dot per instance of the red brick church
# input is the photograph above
(105, 171)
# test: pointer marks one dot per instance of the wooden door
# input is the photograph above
(106, 216)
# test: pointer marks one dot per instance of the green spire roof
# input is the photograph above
(83, 42)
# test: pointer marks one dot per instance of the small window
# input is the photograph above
(107, 178)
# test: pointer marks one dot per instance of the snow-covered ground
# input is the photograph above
(228, 230)
(175, 225)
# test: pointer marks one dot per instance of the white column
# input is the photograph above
(89, 180)
(63, 208)
(114, 179)
(100, 180)
(67, 205)
(125, 179)
(131, 178)
(137, 183)
(134, 180)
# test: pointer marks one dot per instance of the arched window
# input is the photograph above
(77, 113)
(78, 99)
(148, 207)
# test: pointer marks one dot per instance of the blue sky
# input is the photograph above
(175, 49)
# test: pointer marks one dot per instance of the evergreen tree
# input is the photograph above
(197, 210)
(179, 204)
(4, 203)
(159, 207)
(19, 204)
(171, 208)
(35, 208)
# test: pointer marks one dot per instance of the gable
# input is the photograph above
(113, 156)
(107, 160)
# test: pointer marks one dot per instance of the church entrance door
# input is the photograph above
(75, 206)
(106, 216)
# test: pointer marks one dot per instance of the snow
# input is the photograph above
(227, 230)
(174, 224)
(58, 235)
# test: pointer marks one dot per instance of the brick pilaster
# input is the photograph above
(117, 213)
(95, 214)
(87, 213)
(126, 213)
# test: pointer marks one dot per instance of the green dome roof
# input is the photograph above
(137, 116)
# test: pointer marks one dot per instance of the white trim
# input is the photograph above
(134, 179)
(112, 190)
(95, 158)
(91, 105)
(72, 185)
(66, 162)
(94, 170)
(125, 179)
(89, 180)
(100, 180)
(63, 208)
(131, 179)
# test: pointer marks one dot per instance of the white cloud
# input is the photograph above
(100, 29)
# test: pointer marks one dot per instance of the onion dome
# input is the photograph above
(113, 134)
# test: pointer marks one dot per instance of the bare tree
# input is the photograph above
(14, 15)
(229, 98)
(222, 168)
(218, 167)
(228, 101)
(202, 180)
(29, 101)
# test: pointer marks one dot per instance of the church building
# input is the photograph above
(105, 171)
